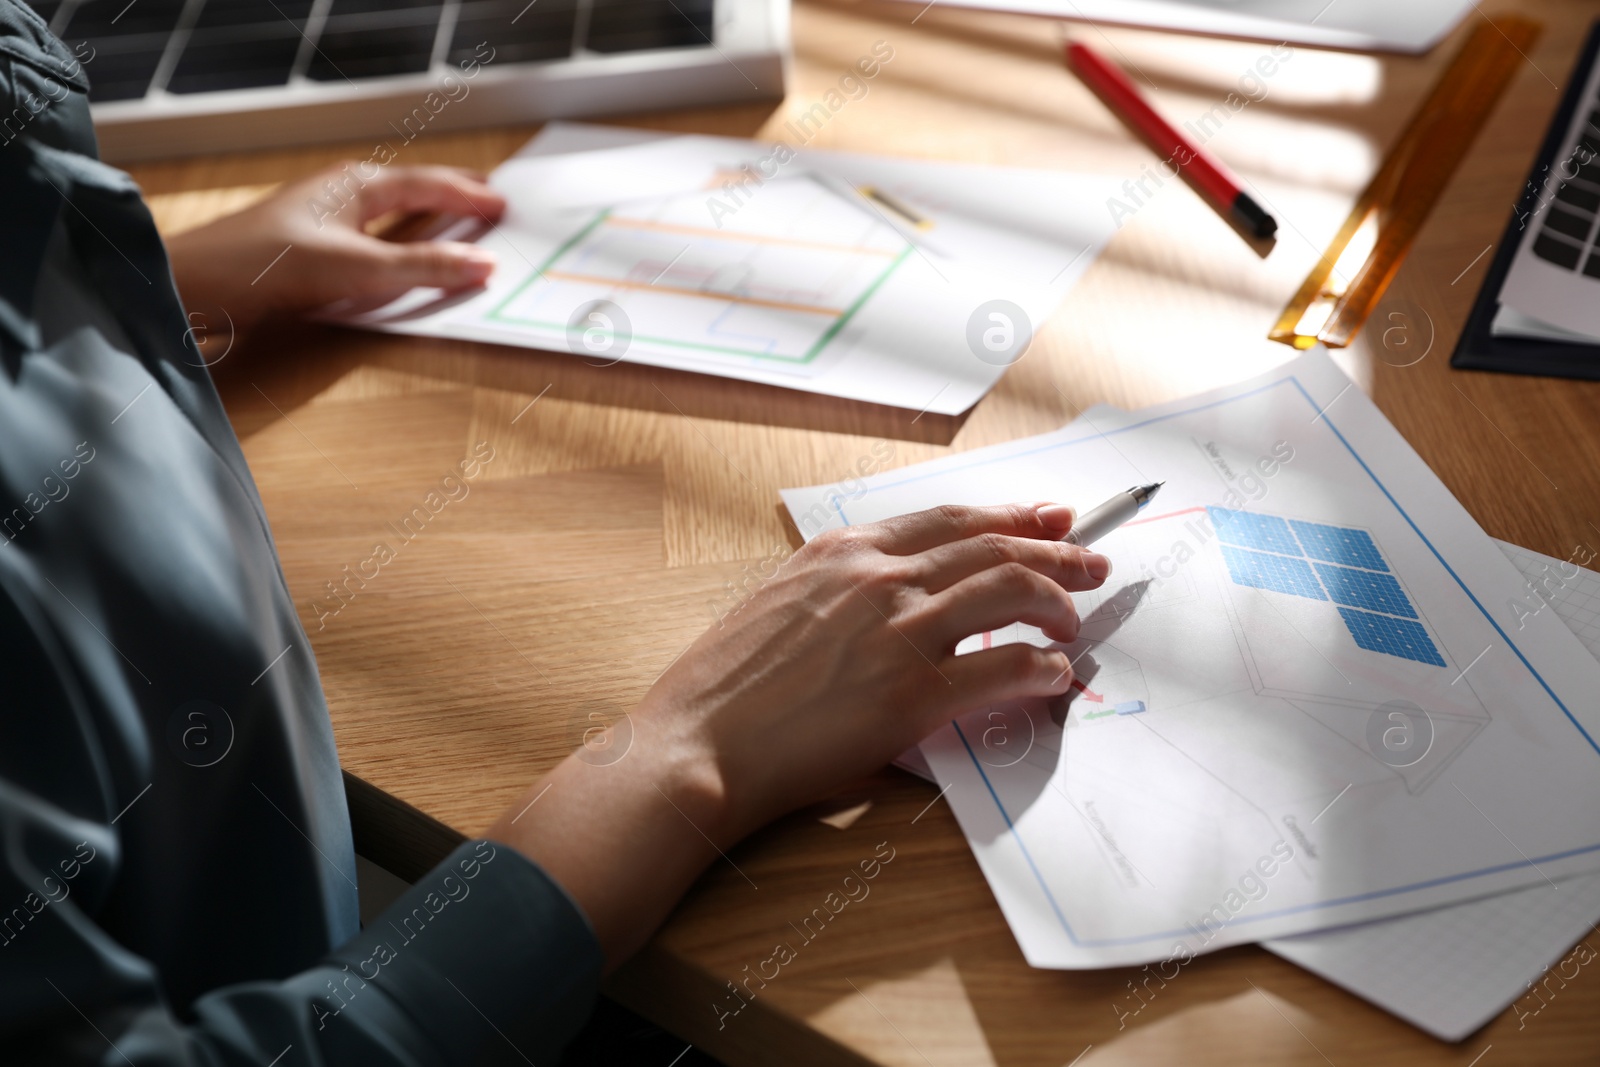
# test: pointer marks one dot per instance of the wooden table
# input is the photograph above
(600, 537)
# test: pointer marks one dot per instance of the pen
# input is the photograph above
(1204, 174)
(1113, 513)
(884, 209)
(872, 192)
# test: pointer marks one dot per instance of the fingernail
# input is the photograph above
(478, 264)
(1057, 516)
(1064, 679)
(1097, 565)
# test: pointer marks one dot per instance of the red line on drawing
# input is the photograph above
(1088, 694)
(1158, 518)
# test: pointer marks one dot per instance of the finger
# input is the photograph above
(1010, 672)
(1073, 568)
(907, 535)
(436, 264)
(998, 597)
(444, 190)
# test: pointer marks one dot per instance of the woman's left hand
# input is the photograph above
(306, 245)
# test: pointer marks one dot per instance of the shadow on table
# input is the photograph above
(294, 363)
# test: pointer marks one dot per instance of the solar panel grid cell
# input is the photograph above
(1364, 589)
(374, 38)
(630, 25)
(1281, 574)
(1338, 544)
(1394, 637)
(241, 44)
(1266, 532)
(520, 32)
(126, 41)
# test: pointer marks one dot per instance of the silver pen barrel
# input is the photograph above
(1108, 516)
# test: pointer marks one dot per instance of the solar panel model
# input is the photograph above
(182, 77)
(1333, 563)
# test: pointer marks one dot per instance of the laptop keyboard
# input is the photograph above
(1568, 228)
(202, 46)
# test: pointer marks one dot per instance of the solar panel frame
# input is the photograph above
(522, 63)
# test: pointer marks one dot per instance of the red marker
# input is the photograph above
(1204, 174)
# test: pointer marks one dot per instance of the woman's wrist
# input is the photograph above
(683, 765)
(625, 824)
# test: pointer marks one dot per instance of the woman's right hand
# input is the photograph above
(842, 661)
(846, 658)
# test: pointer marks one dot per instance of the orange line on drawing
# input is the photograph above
(756, 238)
(727, 297)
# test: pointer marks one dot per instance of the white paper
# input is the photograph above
(1450, 970)
(1260, 706)
(795, 280)
(1366, 25)
(1509, 322)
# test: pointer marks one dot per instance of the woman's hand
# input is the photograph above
(306, 245)
(847, 657)
(842, 661)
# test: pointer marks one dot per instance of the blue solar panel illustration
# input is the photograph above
(1335, 544)
(1267, 552)
(1266, 532)
(1364, 589)
(1395, 637)
(1281, 574)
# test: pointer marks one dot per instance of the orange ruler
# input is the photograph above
(1344, 286)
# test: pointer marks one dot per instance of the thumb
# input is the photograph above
(436, 264)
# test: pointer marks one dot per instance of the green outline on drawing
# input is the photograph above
(538, 272)
(822, 342)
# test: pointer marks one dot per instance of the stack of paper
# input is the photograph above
(1312, 694)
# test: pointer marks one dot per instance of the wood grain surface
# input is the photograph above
(602, 535)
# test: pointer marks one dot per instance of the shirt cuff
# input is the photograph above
(485, 950)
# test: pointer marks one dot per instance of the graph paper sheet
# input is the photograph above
(1453, 969)
(856, 276)
(1305, 697)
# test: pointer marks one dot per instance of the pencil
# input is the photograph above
(1204, 174)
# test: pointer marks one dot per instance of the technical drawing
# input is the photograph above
(775, 281)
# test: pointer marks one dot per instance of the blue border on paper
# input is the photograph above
(1430, 883)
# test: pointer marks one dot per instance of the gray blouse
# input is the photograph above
(177, 883)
